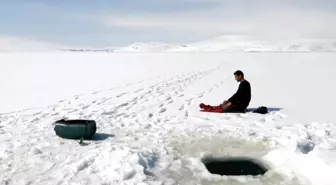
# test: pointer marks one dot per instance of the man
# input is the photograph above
(241, 99)
(238, 102)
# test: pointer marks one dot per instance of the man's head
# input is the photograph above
(239, 76)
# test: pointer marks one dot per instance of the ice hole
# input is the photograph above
(234, 166)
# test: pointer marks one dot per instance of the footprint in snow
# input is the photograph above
(123, 105)
(95, 101)
(189, 102)
(161, 93)
(82, 165)
(35, 151)
(135, 100)
(61, 101)
(121, 115)
(148, 92)
(121, 95)
(181, 107)
(86, 106)
(113, 88)
(96, 92)
(201, 95)
(138, 90)
(163, 110)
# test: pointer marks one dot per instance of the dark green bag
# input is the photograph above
(261, 110)
(75, 129)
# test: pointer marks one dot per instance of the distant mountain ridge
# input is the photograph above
(217, 44)
(245, 44)
(14, 44)
(237, 44)
(149, 47)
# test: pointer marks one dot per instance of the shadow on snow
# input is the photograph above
(101, 136)
(270, 109)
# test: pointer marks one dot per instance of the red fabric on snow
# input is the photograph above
(216, 109)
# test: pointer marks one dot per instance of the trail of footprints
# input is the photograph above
(178, 90)
(175, 84)
(165, 91)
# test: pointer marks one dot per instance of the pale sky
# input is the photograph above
(122, 22)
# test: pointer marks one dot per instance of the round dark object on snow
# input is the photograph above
(261, 110)
(75, 129)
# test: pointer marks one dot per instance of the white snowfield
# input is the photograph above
(150, 129)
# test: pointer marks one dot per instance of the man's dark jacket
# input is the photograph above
(241, 99)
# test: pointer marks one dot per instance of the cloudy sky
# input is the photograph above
(121, 22)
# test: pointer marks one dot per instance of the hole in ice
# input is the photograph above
(234, 166)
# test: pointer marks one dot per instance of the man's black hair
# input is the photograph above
(239, 73)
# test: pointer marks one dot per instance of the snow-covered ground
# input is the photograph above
(150, 130)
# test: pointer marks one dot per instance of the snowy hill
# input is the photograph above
(236, 44)
(14, 44)
(149, 47)
(108, 50)
(246, 44)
